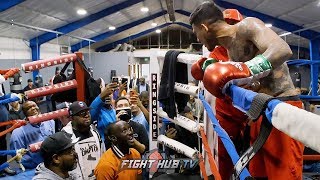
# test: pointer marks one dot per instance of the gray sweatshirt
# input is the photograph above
(43, 173)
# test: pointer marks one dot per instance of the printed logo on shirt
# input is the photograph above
(89, 149)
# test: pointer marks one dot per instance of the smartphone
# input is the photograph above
(123, 80)
(171, 125)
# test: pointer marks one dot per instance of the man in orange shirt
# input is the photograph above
(121, 136)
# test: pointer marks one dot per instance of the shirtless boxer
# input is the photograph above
(261, 54)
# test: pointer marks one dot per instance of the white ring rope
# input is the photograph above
(186, 89)
(177, 146)
(182, 121)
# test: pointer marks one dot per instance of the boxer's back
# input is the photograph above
(278, 82)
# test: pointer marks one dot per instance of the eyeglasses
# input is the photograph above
(82, 113)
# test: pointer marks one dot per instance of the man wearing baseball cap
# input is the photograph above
(59, 157)
(90, 147)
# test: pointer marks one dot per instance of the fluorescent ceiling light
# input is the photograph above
(158, 31)
(285, 34)
(112, 28)
(154, 24)
(144, 9)
(81, 11)
(269, 25)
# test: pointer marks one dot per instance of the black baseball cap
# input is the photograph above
(77, 107)
(30, 80)
(57, 142)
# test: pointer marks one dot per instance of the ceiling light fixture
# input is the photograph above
(285, 34)
(81, 11)
(112, 28)
(154, 24)
(158, 31)
(144, 9)
(268, 25)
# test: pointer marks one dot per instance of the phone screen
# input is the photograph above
(123, 80)
(171, 125)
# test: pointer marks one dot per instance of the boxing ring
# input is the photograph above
(296, 123)
(78, 83)
(156, 64)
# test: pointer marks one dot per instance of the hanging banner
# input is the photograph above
(154, 105)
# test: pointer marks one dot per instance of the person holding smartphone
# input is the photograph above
(102, 111)
(124, 112)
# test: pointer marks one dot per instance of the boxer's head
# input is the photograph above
(205, 20)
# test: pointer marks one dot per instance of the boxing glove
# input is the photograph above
(198, 68)
(218, 76)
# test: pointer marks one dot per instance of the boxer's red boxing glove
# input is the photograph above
(218, 76)
(198, 68)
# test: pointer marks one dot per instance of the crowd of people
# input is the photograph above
(94, 138)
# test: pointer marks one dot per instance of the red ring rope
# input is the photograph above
(48, 116)
(35, 65)
(47, 90)
(212, 163)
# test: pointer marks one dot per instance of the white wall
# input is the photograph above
(11, 48)
(14, 52)
(102, 64)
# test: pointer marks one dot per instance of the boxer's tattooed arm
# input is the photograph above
(275, 49)
(279, 81)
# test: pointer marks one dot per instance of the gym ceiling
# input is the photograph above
(300, 18)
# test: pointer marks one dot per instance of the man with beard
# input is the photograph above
(31, 133)
(59, 157)
(101, 109)
(90, 147)
(121, 136)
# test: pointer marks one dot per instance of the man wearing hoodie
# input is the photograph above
(90, 147)
(59, 157)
